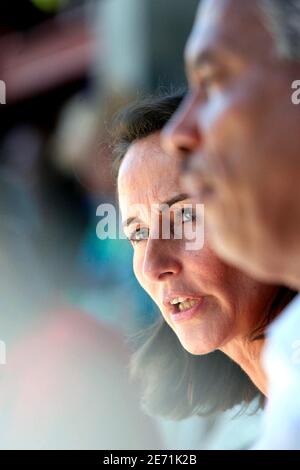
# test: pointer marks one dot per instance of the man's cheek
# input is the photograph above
(231, 139)
(222, 144)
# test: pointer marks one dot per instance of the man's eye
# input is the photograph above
(139, 235)
(208, 85)
(210, 80)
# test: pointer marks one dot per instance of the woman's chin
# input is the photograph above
(198, 350)
(198, 344)
(199, 347)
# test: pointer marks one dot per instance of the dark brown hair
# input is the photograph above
(175, 383)
(139, 120)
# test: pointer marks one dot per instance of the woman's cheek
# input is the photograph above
(137, 263)
(138, 266)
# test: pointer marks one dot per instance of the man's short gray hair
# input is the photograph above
(283, 20)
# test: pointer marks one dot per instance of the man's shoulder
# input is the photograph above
(287, 325)
(282, 351)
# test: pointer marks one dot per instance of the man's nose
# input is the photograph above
(160, 261)
(182, 135)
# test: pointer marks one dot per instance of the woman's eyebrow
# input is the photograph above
(169, 203)
(130, 220)
(175, 199)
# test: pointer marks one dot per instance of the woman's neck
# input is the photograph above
(247, 354)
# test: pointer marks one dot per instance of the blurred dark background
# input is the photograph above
(68, 66)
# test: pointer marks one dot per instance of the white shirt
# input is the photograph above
(281, 359)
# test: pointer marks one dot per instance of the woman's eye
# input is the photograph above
(187, 215)
(139, 235)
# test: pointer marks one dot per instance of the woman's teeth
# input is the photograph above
(187, 304)
(184, 303)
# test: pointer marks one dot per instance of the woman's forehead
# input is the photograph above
(144, 155)
(147, 170)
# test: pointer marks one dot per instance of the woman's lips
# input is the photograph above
(178, 316)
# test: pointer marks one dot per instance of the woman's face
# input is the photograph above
(206, 302)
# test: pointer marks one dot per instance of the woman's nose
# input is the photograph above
(160, 261)
(182, 135)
